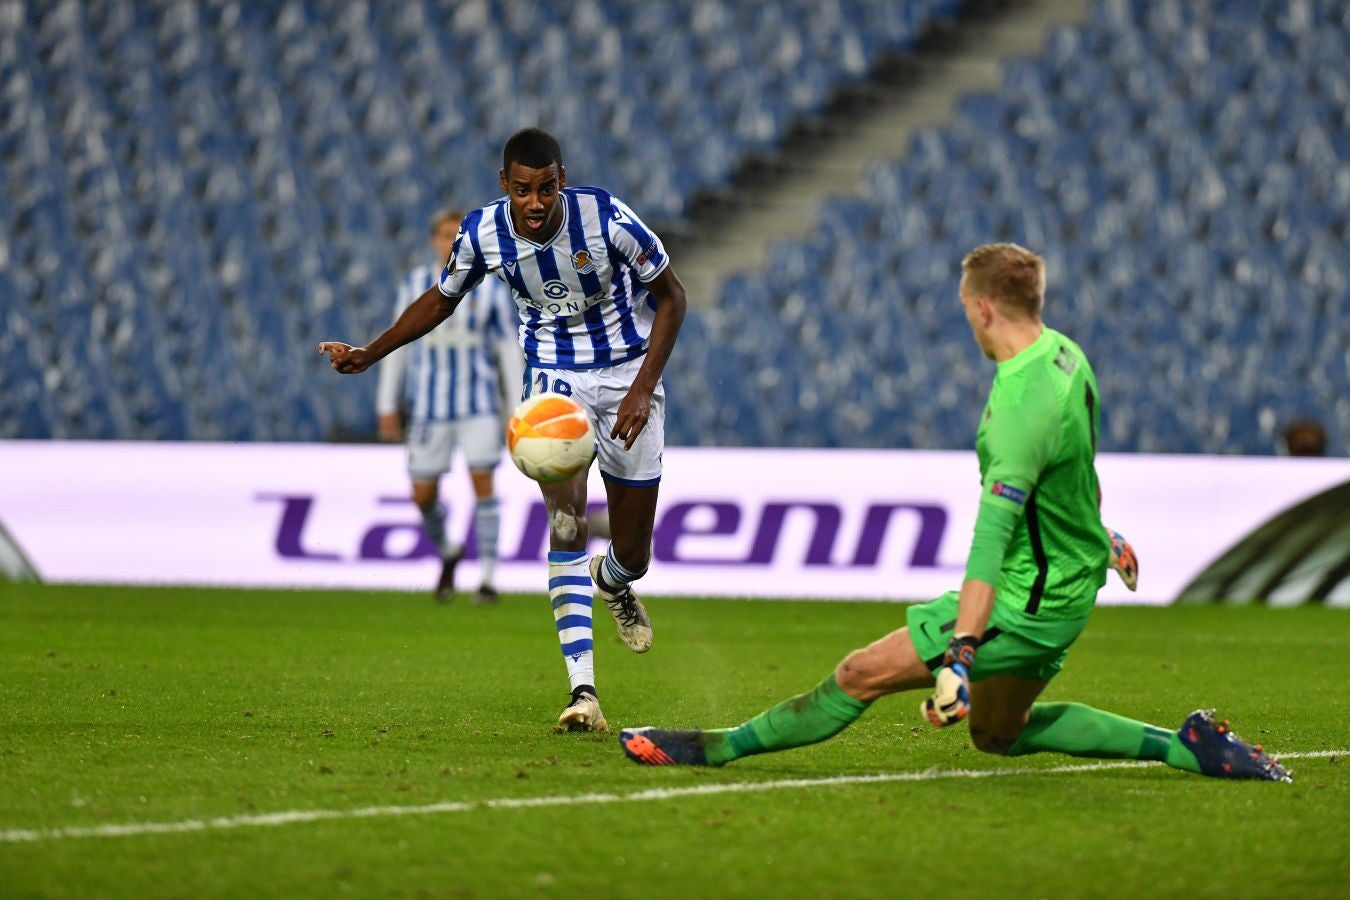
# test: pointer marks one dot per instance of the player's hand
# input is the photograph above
(634, 411)
(1123, 559)
(391, 429)
(345, 358)
(950, 702)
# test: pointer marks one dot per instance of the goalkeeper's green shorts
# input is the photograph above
(1015, 643)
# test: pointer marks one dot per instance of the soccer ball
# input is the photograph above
(550, 438)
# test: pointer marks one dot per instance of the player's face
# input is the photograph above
(534, 199)
(443, 239)
(978, 314)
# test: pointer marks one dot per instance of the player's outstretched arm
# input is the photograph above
(637, 405)
(422, 315)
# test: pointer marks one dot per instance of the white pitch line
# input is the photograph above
(272, 820)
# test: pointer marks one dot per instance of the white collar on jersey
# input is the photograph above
(562, 226)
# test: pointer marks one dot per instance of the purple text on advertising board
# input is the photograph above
(719, 518)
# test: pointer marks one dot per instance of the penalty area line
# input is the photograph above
(295, 816)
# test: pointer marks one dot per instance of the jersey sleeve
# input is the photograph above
(639, 246)
(465, 268)
(1021, 441)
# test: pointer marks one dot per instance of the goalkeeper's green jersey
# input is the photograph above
(1039, 537)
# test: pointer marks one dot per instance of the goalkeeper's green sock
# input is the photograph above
(1080, 730)
(808, 718)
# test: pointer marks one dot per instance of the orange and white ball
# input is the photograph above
(550, 438)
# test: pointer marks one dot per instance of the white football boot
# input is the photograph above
(630, 616)
(582, 715)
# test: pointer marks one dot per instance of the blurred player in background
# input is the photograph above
(600, 309)
(1037, 560)
(463, 377)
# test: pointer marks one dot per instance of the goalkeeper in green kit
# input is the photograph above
(1038, 557)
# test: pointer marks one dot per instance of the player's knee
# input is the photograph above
(859, 676)
(568, 526)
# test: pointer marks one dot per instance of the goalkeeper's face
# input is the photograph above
(980, 315)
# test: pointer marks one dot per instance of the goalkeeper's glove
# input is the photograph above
(1123, 559)
(950, 702)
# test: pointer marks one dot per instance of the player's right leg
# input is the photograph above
(571, 592)
(886, 666)
(430, 445)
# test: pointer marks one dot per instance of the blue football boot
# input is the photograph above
(659, 747)
(1222, 754)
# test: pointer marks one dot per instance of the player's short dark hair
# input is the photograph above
(533, 148)
(445, 215)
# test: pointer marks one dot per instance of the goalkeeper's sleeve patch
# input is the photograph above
(1008, 492)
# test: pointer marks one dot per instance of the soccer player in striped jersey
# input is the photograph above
(1037, 560)
(462, 376)
(600, 308)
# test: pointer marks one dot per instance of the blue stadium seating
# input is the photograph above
(197, 192)
(1182, 167)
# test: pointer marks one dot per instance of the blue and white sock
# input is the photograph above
(615, 575)
(570, 590)
(433, 523)
(487, 520)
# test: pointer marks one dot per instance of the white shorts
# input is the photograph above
(431, 445)
(600, 391)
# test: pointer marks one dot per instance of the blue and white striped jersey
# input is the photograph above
(464, 366)
(582, 297)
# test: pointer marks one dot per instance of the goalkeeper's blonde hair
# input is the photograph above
(1010, 275)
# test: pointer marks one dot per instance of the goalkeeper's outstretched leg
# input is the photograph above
(1002, 711)
(1005, 719)
(886, 666)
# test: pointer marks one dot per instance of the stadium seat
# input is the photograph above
(256, 177)
(231, 182)
(1182, 169)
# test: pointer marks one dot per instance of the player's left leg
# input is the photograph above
(1005, 719)
(633, 509)
(481, 439)
(487, 523)
(632, 479)
(430, 446)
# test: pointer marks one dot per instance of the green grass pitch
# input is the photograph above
(123, 706)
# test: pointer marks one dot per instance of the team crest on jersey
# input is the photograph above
(582, 262)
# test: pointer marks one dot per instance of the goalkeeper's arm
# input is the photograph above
(950, 702)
